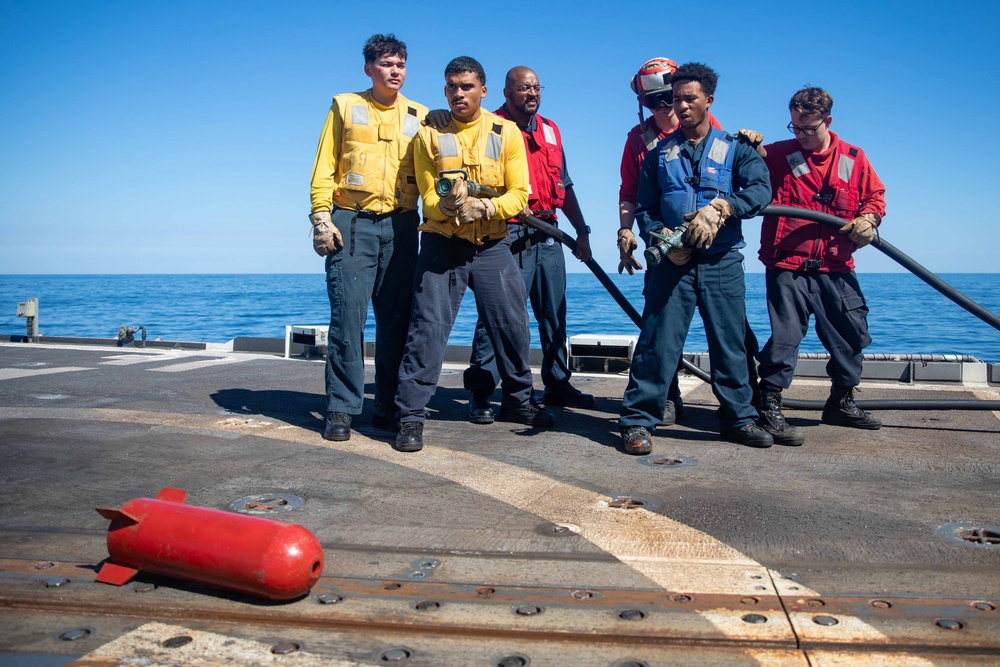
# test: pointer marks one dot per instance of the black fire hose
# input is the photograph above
(815, 216)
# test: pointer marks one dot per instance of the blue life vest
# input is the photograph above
(683, 192)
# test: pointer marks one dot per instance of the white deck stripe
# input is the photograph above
(15, 373)
(195, 365)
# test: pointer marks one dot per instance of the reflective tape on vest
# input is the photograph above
(494, 146)
(550, 134)
(449, 148)
(718, 151)
(844, 168)
(671, 151)
(410, 126)
(798, 164)
(359, 115)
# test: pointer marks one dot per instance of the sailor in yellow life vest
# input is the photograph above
(364, 201)
(465, 243)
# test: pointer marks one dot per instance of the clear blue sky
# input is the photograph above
(140, 137)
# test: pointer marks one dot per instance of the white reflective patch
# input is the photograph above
(845, 167)
(671, 151)
(359, 115)
(529, 187)
(798, 164)
(410, 125)
(550, 134)
(494, 146)
(718, 151)
(449, 148)
(354, 178)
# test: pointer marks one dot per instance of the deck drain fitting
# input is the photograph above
(680, 597)
(584, 595)
(983, 606)
(394, 654)
(881, 604)
(949, 624)
(754, 618)
(631, 614)
(329, 598)
(75, 634)
(267, 503)
(44, 565)
(284, 648)
(972, 535)
(628, 501)
(527, 610)
(427, 605)
(825, 620)
(176, 642)
(667, 461)
(486, 592)
(512, 660)
(558, 529)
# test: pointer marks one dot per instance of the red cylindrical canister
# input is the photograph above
(263, 557)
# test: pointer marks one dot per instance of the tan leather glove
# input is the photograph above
(861, 230)
(326, 236)
(755, 139)
(626, 245)
(476, 209)
(437, 118)
(677, 256)
(706, 222)
(450, 204)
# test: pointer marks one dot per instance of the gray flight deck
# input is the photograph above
(495, 545)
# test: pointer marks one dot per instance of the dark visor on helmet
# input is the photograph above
(653, 100)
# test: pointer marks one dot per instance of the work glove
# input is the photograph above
(326, 236)
(677, 256)
(627, 244)
(438, 118)
(476, 209)
(861, 230)
(450, 204)
(706, 222)
(755, 139)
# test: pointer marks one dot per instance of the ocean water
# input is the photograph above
(907, 316)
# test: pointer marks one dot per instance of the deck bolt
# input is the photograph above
(284, 648)
(74, 634)
(44, 565)
(755, 618)
(881, 604)
(427, 605)
(583, 595)
(825, 620)
(680, 597)
(749, 600)
(815, 603)
(143, 587)
(949, 624)
(391, 586)
(527, 610)
(512, 660)
(428, 564)
(329, 598)
(177, 642)
(983, 606)
(631, 614)
(56, 582)
(485, 591)
(395, 654)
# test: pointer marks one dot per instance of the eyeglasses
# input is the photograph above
(805, 131)
(533, 89)
(654, 100)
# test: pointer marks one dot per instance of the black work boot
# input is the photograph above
(568, 396)
(750, 435)
(528, 414)
(480, 411)
(841, 410)
(337, 427)
(410, 437)
(772, 421)
(636, 440)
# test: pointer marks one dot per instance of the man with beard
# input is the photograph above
(539, 258)
(465, 243)
(710, 180)
(364, 216)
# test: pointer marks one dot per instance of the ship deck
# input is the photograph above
(498, 544)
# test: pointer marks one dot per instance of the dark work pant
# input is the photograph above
(543, 268)
(835, 299)
(375, 265)
(445, 267)
(714, 284)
